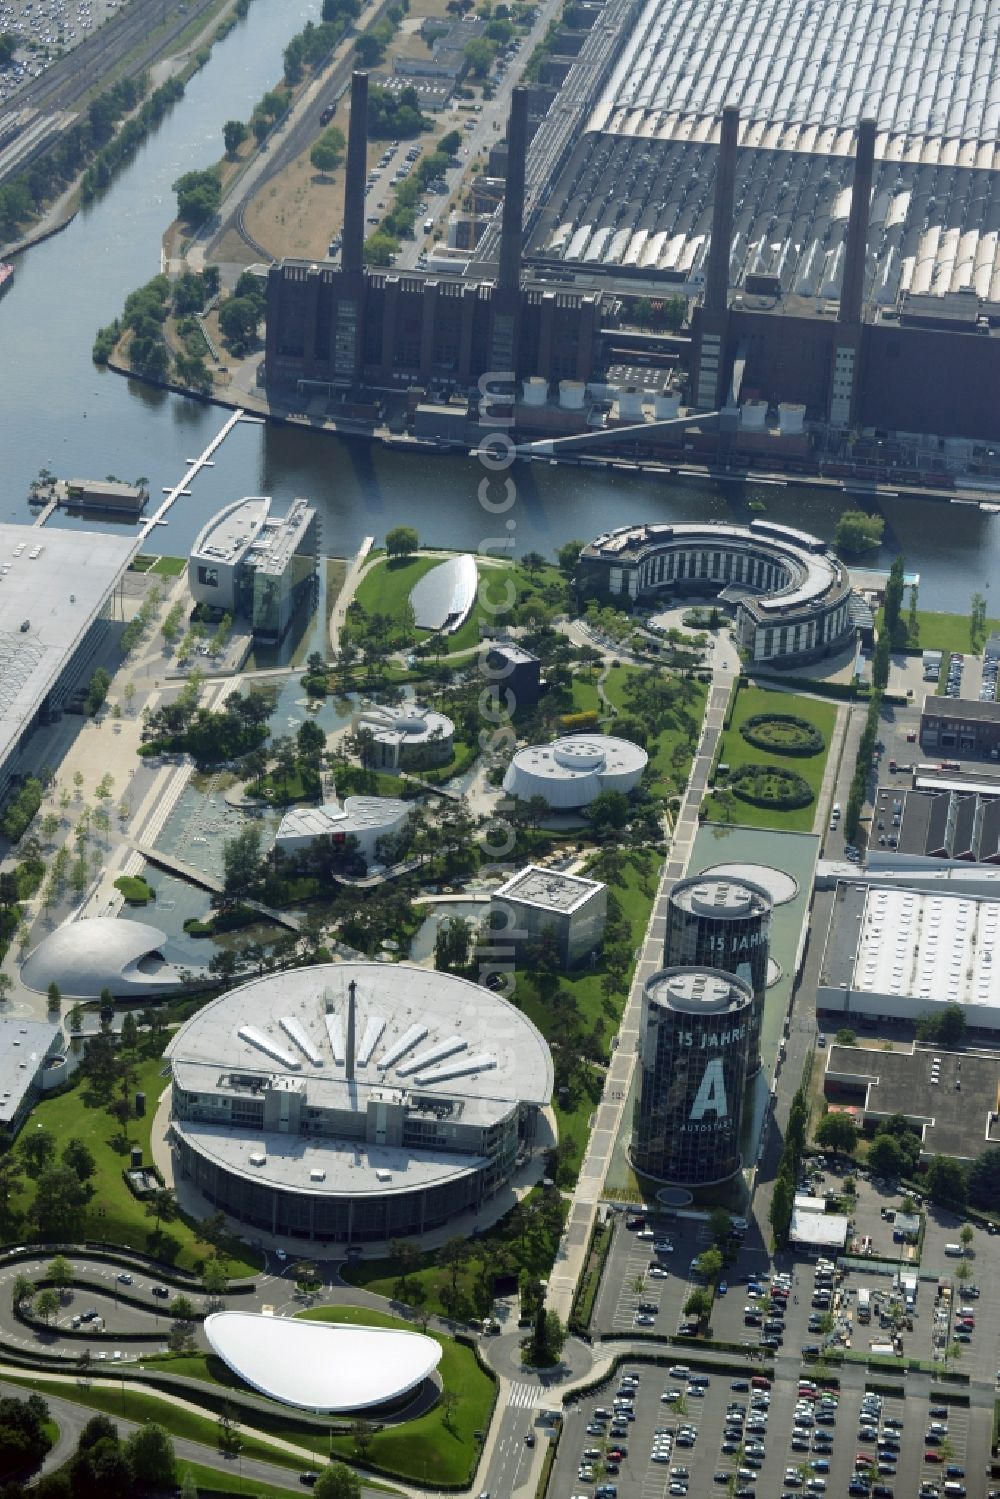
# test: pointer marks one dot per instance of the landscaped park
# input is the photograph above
(775, 746)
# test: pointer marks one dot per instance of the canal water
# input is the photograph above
(60, 412)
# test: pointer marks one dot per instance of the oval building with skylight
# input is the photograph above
(355, 1101)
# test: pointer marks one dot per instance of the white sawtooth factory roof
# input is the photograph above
(637, 189)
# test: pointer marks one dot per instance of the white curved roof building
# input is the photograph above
(365, 818)
(322, 1366)
(407, 736)
(442, 598)
(83, 957)
(791, 595)
(355, 1101)
(571, 772)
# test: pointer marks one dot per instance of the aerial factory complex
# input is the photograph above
(821, 184)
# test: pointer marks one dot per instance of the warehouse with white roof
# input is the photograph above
(902, 953)
(354, 1102)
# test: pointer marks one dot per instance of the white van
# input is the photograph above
(954, 1251)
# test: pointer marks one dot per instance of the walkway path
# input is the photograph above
(608, 1120)
(348, 588)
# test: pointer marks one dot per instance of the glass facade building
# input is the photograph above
(716, 921)
(693, 1040)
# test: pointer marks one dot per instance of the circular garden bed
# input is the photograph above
(771, 786)
(782, 734)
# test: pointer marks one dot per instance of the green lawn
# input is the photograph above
(670, 756)
(113, 1213)
(440, 1446)
(941, 632)
(585, 698)
(735, 750)
(386, 584)
(169, 567)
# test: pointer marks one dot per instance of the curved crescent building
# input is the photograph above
(571, 772)
(717, 921)
(791, 596)
(693, 1039)
(355, 1101)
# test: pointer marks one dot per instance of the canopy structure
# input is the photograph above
(322, 1366)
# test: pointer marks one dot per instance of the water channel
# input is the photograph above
(60, 412)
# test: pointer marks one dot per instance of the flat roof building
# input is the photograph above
(57, 597)
(536, 901)
(515, 670)
(901, 953)
(256, 566)
(355, 1101)
(813, 1227)
(952, 1099)
(960, 726)
(25, 1047)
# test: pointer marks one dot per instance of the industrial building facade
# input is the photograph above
(693, 1039)
(716, 921)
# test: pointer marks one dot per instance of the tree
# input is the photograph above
(977, 621)
(710, 1264)
(402, 541)
(151, 1457)
(57, 1210)
(47, 1304)
(380, 248)
(780, 1213)
(130, 1032)
(36, 1148)
(858, 532)
(966, 1236)
(846, 1037)
(945, 1181)
(533, 562)
(60, 1272)
(984, 1179)
(946, 1026)
(238, 319)
(885, 1157)
(215, 1278)
(234, 133)
(198, 194)
(328, 152)
(881, 661)
(337, 1482)
(369, 49)
(892, 604)
(720, 1225)
(837, 1131)
(241, 859)
(698, 1304)
(479, 54)
(161, 1206)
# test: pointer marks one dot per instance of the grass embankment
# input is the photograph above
(735, 751)
(440, 1446)
(133, 1404)
(113, 1214)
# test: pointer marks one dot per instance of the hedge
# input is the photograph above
(749, 783)
(809, 740)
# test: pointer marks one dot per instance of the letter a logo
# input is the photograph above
(711, 1095)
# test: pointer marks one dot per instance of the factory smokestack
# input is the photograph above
(512, 228)
(352, 988)
(856, 250)
(351, 255)
(720, 249)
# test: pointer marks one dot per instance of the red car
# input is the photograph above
(864, 1460)
(930, 1456)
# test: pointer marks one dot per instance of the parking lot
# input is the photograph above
(52, 27)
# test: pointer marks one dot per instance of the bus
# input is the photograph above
(864, 1304)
